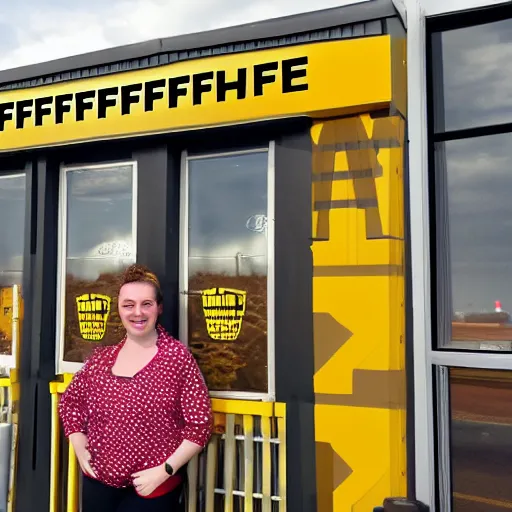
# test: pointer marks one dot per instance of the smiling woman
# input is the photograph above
(138, 411)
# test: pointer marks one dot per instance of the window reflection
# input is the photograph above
(227, 265)
(12, 234)
(99, 246)
(475, 241)
(481, 439)
(473, 73)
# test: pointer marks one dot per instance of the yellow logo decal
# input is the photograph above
(224, 309)
(93, 310)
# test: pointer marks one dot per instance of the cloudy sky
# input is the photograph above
(477, 68)
(36, 30)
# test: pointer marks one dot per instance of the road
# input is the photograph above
(482, 447)
(482, 467)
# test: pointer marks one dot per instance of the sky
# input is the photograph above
(39, 30)
(477, 72)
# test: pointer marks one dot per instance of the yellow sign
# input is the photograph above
(93, 310)
(316, 79)
(224, 309)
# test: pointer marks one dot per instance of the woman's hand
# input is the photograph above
(80, 446)
(146, 481)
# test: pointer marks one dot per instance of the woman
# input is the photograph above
(138, 411)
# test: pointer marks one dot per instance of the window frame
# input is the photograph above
(62, 366)
(432, 360)
(10, 361)
(186, 156)
(437, 140)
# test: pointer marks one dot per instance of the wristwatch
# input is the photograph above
(168, 469)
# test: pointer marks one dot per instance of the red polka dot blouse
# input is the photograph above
(138, 422)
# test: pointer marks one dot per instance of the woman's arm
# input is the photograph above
(73, 414)
(196, 412)
(72, 403)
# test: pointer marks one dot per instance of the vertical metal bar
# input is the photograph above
(229, 462)
(267, 465)
(72, 498)
(54, 462)
(5, 462)
(14, 458)
(211, 469)
(281, 426)
(183, 257)
(271, 363)
(444, 441)
(249, 461)
(192, 470)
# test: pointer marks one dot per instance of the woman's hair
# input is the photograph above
(138, 273)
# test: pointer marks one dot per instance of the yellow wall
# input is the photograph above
(358, 304)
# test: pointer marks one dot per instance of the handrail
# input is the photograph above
(9, 395)
(245, 459)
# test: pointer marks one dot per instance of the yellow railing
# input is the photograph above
(9, 396)
(245, 460)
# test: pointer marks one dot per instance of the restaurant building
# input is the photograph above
(321, 198)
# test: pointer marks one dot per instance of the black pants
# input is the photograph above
(98, 497)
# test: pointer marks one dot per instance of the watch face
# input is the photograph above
(169, 469)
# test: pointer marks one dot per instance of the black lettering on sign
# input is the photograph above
(81, 103)
(42, 108)
(222, 84)
(23, 111)
(62, 105)
(106, 98)
(260, 78)
(128, 98)
(199, 87)
(290, 74)
(239, 85)
(175, 91)
(6, 111)
(151, 93)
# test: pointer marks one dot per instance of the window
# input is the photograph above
(97, 242)
(226, 283)
(472, 177)
(480, 439)
(12, 238)
(472, 76)
(470, 174)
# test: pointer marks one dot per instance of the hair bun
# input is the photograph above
(138, 273)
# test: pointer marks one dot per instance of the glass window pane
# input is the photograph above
(227, 270)
(474, 242)
(481, 439)
(99, 246)
(12, 237)
(473, 76)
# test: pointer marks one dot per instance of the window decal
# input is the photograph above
(93, 311)
(224, 309)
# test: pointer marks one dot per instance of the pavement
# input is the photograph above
(481, 441)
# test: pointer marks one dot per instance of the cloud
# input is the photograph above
(49, 32)
(479, 217)
(477, 68)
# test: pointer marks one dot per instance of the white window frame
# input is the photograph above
(10, 361)
(429, 364)
(183, 277)
(61, 365)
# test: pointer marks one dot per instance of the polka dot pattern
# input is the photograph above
(138, 422)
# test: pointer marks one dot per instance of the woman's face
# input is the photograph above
(138, 309)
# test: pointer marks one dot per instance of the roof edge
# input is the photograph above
(363, 11)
